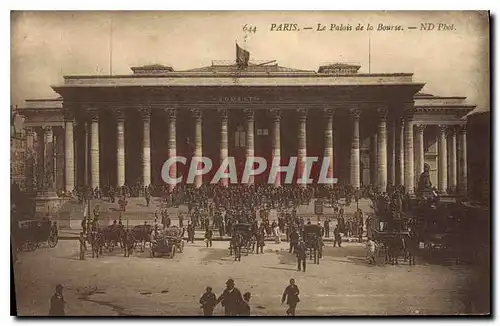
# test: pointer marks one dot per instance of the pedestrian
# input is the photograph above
(291, 294)
(300, 251)
(57, 302)
(370, 250)
(327, 227)
(83, 246)
(337, 238)
(208, 237)
(208, 302)
(231, 299)
(181, 220)
(245, 305)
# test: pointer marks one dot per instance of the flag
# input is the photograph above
(242, 56)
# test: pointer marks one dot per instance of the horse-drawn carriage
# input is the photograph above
(167, 242)
(314, 242)
(30, 234)
(394, 238)
(242, 239)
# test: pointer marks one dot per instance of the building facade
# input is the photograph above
(375, 128)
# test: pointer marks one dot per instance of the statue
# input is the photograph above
(425, 183)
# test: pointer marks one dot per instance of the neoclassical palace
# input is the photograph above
(120, 129)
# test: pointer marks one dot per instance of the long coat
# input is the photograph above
(291, 294)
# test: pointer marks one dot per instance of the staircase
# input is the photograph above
(71, 213)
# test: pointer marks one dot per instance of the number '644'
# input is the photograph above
(249, 28)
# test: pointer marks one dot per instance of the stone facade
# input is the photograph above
(123, 128)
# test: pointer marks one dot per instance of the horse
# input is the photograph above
(315, 246)
(96, 240)
(142, 235)
(113, 236)
(128, 240)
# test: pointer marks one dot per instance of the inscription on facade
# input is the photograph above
(237, 99)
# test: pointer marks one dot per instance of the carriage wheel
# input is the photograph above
(53, 240)
(172, 251)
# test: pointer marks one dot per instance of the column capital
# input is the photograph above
(442, 128)
(451, 130)
(119, 115)
(419, 127)
(223, 114)
(462, 129)
(249, 114)
(47, 129)
(171, 113)
(145, 113)
(382, 113)
(355, 113)
(302, 113)
(329, 112)
(275, 114)
(68, 115)
(93, 114)
(197, 114)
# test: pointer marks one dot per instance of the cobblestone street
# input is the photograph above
(343, 284)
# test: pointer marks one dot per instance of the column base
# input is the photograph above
(47, 203)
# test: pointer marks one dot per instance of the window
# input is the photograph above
(239, 137)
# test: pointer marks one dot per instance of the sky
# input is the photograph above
(45, 46)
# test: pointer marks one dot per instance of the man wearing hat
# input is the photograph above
(57, 302)
(291, 294)
(301, 252)
(231, 299)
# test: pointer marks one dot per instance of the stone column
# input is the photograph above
(250, 149)
(419, 151)
(223, 142)
(462, 160)
(198, 150)
(172, 142)
(94, 149)
(373, 158)
(452, 159)
(120, 148)
(408, 161)
(276, 145)
(382, 150)
(69, 153)
(354, 160)
(329, 140)
(302, 146)
(146, 147)
(29, 139)
(391, 158)
(48, 171)
(442, 160)
(400, 155)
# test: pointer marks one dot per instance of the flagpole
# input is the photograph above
(369, 52)
(110, 46)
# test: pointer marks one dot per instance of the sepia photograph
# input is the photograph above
(250, 163)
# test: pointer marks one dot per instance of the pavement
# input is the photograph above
(342, 284)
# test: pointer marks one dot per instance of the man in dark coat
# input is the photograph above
(291, 294)
(57, 302)
(301, 252)
(208, 237)
(231, 299)
(337, 238)
(208, 302)
(327, 228)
